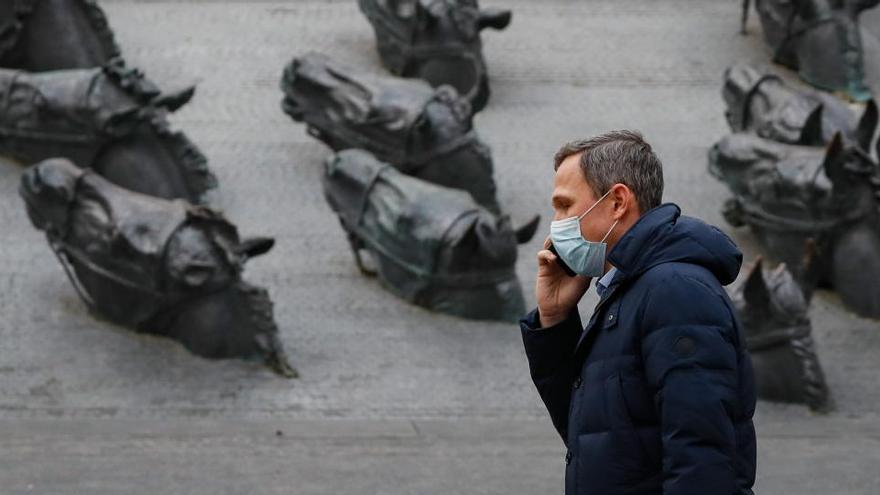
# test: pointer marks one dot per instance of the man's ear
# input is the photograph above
(624, 200)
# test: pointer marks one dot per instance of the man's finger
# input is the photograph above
(547, 242)
(546, 258)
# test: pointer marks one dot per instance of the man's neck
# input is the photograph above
(608, 268)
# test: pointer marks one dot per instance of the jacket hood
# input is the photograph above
(663, 235)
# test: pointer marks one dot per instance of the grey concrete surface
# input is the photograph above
(374, 457)
(392, 399)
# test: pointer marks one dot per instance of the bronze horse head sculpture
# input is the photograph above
(110, 119)
(164, 267)
(424, 132)
(805, 178)
(437, 41)
(763, 103)
(101, 114)
(430, 245)
(815, 208)
(774, 314)
(820, 39)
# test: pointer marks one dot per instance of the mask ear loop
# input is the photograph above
(610, 230)
(613, 224)
(594, 205)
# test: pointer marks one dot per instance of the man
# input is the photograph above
(656, 394)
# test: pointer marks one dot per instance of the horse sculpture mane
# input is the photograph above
(197, 176)
(263, 320)
(26, 25)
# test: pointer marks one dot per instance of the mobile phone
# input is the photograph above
(568, 271)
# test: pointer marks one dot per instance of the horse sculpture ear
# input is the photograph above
(865, 4)
(494, 18)
(811, 133)
(833, 163)
(255, 246)
(744, 18)
(174, 100)
(878, 149)
(755, 291)
(867, 126)
(526, 232)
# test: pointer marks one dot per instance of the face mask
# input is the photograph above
(584, 257)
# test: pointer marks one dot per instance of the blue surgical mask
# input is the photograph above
(584, 257)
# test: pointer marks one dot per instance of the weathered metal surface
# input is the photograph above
(815, 207)
(424, 132)
(763, 103)
(430, 245)
(145, 410)
(162, 267)
(820, 39)
(111, 119)
(778, 331)
(436, 40)
(40, 35)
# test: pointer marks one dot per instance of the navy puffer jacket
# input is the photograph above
(656, 394)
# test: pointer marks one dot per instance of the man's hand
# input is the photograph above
(557, 293)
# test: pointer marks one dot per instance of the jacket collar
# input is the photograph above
(632, 253)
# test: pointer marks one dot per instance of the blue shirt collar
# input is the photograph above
(603, 283)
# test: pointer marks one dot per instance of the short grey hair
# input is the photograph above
(619, 157)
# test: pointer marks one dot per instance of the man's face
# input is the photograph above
(572, 196)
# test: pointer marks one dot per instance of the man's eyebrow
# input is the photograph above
(559, 199)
